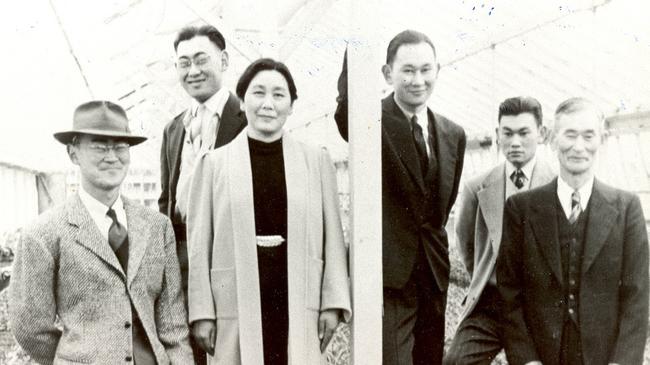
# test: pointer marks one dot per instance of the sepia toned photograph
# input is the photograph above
(338, 182)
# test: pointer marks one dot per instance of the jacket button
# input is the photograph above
(127, 325)
(128, 359)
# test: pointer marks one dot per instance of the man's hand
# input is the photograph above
(327, 322)
(204, 332)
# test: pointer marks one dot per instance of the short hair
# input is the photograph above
(265, 64)
(576, 104)
(406, 37)
(209, 31)
(521, 104)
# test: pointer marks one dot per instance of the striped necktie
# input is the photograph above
(575, 207)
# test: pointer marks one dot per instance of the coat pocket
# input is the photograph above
(314, 283)
(224, 291)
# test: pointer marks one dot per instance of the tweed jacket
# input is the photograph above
(479, 222)
(223, 279)
(613, 296)
(70, 300)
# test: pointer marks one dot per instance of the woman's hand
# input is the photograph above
(204, 332)
(327, 322)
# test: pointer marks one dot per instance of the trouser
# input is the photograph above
(478, 338)
(414, 319)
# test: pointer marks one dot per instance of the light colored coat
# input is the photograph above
(66, 272)
(479, 224)
(223, 277)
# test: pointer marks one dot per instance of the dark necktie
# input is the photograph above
(575, 207)
(420, 144)
(117, 233)
(518, 178)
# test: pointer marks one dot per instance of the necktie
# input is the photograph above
(420, 144)
(518, 178)
(196, 124)
(116, 233)
(575, 207)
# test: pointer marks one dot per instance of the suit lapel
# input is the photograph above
(447, 157)
(543, 222)
(176, 139)
(490, 199)
(601, 217)
(399, 134)
(231, 123)
(89, 236)
(138, 239)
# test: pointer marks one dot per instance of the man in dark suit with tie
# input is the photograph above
(422, 159)
(213, 119)
(572, 269)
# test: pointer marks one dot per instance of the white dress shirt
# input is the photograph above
(564, 192)
(98, 210)
(423, 122)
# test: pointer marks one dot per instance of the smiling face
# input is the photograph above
(101, 170)
(267, 104)
(200, 65)
(576, 139)
(412, 74)
(518, 137)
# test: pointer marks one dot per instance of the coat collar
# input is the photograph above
(600, 220)
(399, 134)
(601, 217)
(231, 123)
(88, 235)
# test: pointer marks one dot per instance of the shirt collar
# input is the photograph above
(564, 192)
(214, 104)
(97, 209)
(527, 169)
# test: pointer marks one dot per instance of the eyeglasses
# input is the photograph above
(199, 61)
(102, 148)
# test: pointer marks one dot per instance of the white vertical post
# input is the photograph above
(364, 91)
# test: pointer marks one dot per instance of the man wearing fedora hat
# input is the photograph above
(96, 280)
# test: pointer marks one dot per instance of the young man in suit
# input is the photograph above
(96, 280)
(212, 120)
(479, 222)
(422, 159)
(572, 269)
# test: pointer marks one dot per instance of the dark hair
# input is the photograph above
(265, 64)
(519, 105)
(209, 31)
(406, 37)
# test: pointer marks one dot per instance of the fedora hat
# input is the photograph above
(100, 118)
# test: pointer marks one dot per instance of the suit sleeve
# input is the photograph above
(341, 113)
(32, 307)
(518, 343)
(200, 235)
(466, 226)
(171, 317)
(633, 289)
(335, 290)
(460, 152)
(163, 200)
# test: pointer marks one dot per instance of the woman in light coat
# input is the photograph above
(268, 279)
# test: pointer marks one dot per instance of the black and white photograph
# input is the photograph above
(326, 182)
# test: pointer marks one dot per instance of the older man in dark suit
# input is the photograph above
(572, 270)
(212, 120)
(422, 159)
